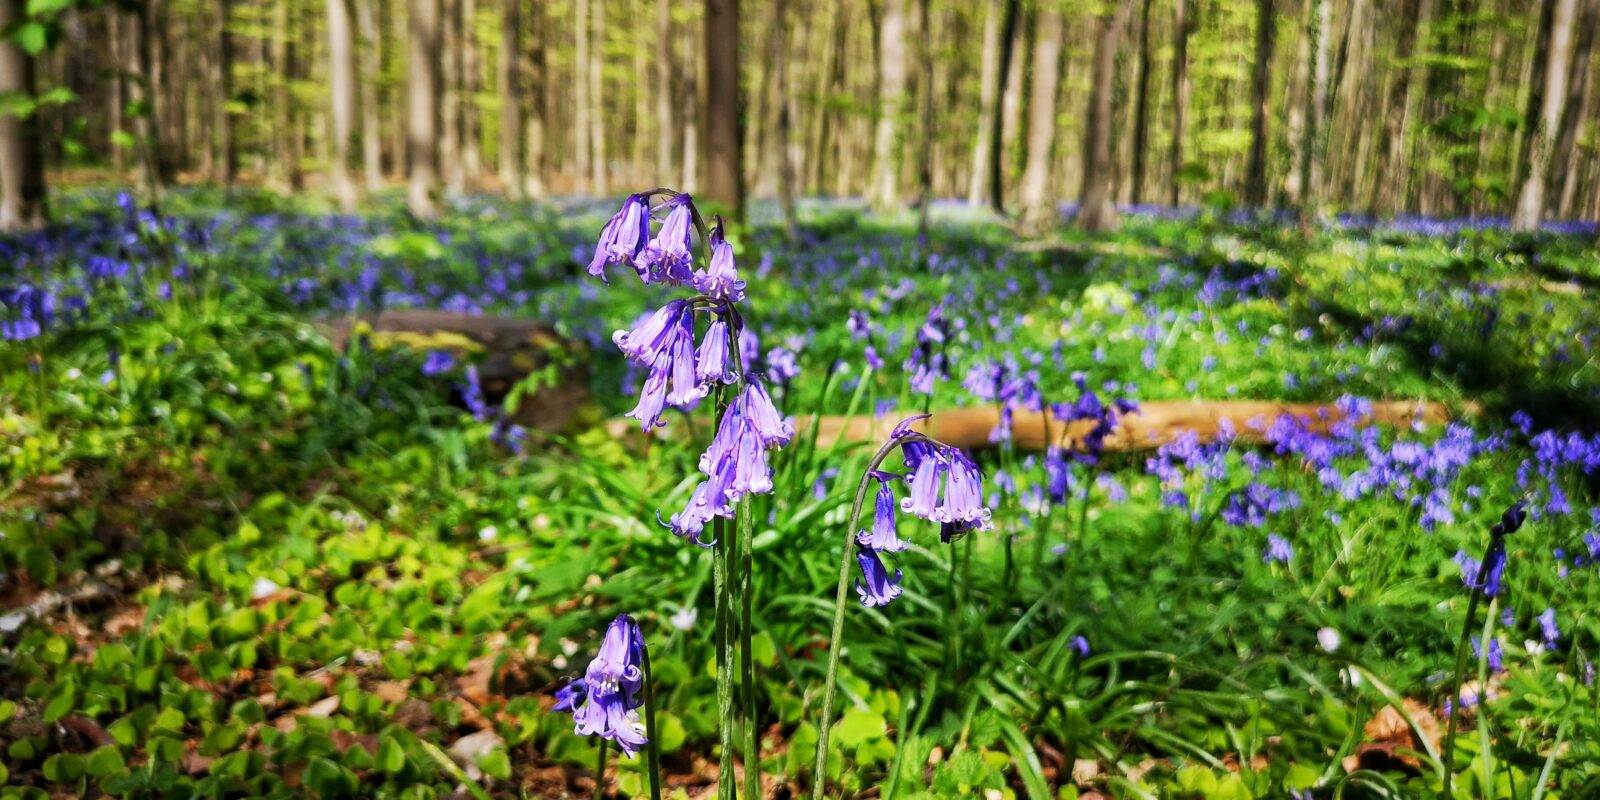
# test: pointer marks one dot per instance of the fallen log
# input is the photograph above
(504, 349)
(1152, 425)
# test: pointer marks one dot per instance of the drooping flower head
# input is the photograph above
(721, 278)
(605, 701)
(882, 538)
(876, 587)
(624, 237)
(668, 257)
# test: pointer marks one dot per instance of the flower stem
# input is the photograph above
(719, 571)
(652, 751)
(819, 775)
(752, 736)
(600, 771)
(1448, 755)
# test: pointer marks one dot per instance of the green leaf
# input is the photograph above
(61, 703)
(106, 761)
(496, 764)
(8, 709)
(857, 726)
(48, 8)
(31, 36)
(391, 755)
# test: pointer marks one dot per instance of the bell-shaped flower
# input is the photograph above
(623, 237)
(875, 586)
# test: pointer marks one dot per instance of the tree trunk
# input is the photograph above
(119, 58)
(597, 105)
(1181, 27)
(830, 85)
(1038, 204)
(450, 97)
(725, 115)
(1010, 116)
(1313, 143)
(694, 82)
(140, 97)
(999, 27)
(884, 195)
(1095, 209)
(22, 186)
(925, 99)
(1260, 91)
(534, 68)
(422, 110)
(227, 159)
(286, 139)
(371, 73)
(342, 94)
(665, 69)
(1141, 107)
(1530, 202)
(1400, 108)
(510, 162)
(1575, 116)
(785, 122)
(471, 72)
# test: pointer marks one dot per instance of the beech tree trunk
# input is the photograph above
(665, 65)
(783, 130)
(226, 162)
(1577, 109)
(1038, 204)
(1181, 26)
(533, 66)
(422, 110)
(999, 28)
(597, 106)
(141, 98)
(1404, 96)
(1095, 209)
(471, 70)
(371, 73)
(342, 94)
(1530, 202)
(884, 194)
(1260, 87)
(450, 97)
(1141, 108)
(724, 107)
(286, 138)
(510, 155)
(22, 186)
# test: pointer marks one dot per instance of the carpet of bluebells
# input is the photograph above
(237, 560)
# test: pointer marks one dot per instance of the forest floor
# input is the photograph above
(237, 559)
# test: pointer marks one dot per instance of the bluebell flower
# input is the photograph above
(1495, 656)
(875, 586)
(612, 689)
(438, 362)
(721, 278)
(1548, 629)
(882, 537)
(712, 358)
(653, 336)
(1080, 645)
(624, 236)
(472, 396)
(1278, 550)
(668, 257)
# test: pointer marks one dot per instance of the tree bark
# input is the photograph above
(510, 155)
(342, 94)
(1038, 205)
(597, 105)
(884, 194)
(1400, 108)
(1095, 209)
(1260, 89)
(925, 141)
(450, 97)
(1182, 25)
(227, 159)
(1005, 158)
(140, 97)
(1141, 107)
(286, 138)
(534, 68)
(665, 65)
(725, 116)
(371, 73)
(1575, 116)
(1530, 202)
(785, 123)
(422, 110)
(22, 186)
(999, 28)
(471, 76)
(693, 83)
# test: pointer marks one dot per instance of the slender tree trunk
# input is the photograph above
(1315, 136)
(510, 162)
(885, 195)
(286, 138)
(471, 78)
(1005, 159)
(22, 186)
(581, 106)
(535, 69)
(725, 117)
(1038, 205)
(227, 159)
(1297, 105)
(999, 27)
(925, 100)
(140, 97)
(1182, 25)
(422, 110)
(371, 74)
(1530, 202)
(1141, 107)
(119, 58)
(1532, 98)
(1260, 88)
(830, 85)
(783, 132)
(597, 118)
(694, 82)
(1095, 209)
(1400, 108)
(1576, 112)
(665, 67)
(342, 94)
(450, 97)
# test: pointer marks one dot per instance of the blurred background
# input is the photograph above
(1442, 108)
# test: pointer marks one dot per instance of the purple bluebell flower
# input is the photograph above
(472, 396)
(1080, 645)
(1495, 656)
(612, 690)
(653, 336)
(1278, 550)
(763, 416)
(721, 278)
(712, 359)
(438, 362)
(1548, 628)
(624, 236)
(653, 400)
(667, 258)
(882, 537)
(875, 586)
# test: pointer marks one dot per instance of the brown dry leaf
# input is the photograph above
(324, 707)
(1390, 741)
(124, 622)
(195, 764)
(1085, 770)
(393, 692)
(344, 740)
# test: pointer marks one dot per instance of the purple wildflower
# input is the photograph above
(875, 586)
(623, 238)
(612, 689)
(883, 537)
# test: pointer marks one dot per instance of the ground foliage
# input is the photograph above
(239, 561)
